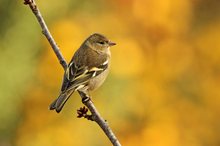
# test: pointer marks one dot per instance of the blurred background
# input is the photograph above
(163, 88)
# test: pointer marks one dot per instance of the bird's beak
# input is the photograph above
(111, 43)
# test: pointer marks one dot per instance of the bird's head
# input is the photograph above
(99, 42)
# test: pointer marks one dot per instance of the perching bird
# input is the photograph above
(87, 70)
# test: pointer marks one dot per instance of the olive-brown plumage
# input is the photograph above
(87, 69)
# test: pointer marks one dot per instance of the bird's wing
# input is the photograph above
(69, 74)
(76, 76)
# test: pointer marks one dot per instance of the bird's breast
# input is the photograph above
(97, 81)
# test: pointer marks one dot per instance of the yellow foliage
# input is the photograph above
(172, 16)
(159, 93)
(173, 58)
(127, 58)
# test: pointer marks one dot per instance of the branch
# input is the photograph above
(88, 103)
(86, 100)
(46, 32)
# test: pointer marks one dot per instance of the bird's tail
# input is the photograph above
(60, 101)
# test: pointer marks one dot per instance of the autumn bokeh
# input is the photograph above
(164, 84)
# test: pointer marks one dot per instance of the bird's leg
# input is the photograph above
(85, 96)
(82, 112)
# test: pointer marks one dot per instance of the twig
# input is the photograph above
(98, 119)
(88, 103)
(46, 32)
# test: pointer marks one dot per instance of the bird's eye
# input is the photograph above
(102, 43)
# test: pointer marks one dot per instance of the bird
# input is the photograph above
(87, 69)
